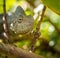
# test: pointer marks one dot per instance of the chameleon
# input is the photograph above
(18, 22)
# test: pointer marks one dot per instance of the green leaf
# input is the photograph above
(53, 4)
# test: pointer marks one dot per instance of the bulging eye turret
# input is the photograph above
(20, 20)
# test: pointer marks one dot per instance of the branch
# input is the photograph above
(14, 52)
(5, 24)
(41, 18)
(31, 4)
(36, 32)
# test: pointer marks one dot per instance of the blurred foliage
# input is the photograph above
(53, 4)
(48, 44)
(9, 5)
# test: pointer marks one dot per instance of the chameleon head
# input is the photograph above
(21, 23)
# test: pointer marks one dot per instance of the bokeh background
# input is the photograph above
(48, 44)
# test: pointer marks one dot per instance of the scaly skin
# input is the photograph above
(18, 22)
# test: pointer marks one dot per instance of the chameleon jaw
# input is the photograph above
(21, 28)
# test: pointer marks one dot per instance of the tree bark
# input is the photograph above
(15, 52)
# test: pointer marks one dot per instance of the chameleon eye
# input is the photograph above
(20, 20)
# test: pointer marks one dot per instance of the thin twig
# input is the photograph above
(5, 24)
(41, 18)
(36, 32)
(30, 2)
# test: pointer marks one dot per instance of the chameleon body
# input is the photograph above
(18, 22)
